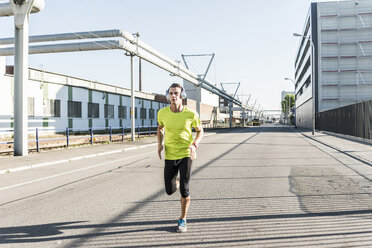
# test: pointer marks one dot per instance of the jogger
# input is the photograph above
(175, 125)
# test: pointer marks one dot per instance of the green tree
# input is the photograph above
(286, 107)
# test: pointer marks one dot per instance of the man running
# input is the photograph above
(180, 149)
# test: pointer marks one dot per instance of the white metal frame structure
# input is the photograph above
(21, 10)
(131, 44)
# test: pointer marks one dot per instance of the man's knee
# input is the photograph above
(185, 192)
(169, 191)
(170, 188)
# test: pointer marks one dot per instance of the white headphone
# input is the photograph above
(174, 85)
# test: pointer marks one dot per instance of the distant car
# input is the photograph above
(256, 122)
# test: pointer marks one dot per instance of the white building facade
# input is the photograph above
(342, 36)
(58, 102)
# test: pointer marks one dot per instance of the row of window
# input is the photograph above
(52, 108)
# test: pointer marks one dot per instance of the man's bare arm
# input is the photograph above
(199, 135)
(160, 136)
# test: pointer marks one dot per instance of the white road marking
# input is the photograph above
(27, 167)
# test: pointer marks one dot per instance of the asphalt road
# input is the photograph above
(252, 187)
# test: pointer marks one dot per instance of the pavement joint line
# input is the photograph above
(27, 167)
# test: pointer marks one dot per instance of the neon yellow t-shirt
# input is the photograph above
(178, 131)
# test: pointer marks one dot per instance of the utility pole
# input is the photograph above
(230, 102)
(133, 107)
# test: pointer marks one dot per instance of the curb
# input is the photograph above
(349, 137)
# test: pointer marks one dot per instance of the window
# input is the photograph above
(122, 112)
(93, 110)
(152, 114)
(74, 109)
(109, 111)
(301, 90)
(142, 113)
(52, 107)
(31, 107)
(308, 81)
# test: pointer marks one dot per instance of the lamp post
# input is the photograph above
(289, 105)
(312, 77)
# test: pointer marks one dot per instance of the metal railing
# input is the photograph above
(41, 138)
(66, 137)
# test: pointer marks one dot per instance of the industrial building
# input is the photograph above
(57, 102)
(341, 35)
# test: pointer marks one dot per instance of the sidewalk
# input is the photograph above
(355, 149)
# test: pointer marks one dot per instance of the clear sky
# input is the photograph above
(252, 41)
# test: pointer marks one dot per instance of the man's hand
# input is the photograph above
(192, 152)
(160, 149)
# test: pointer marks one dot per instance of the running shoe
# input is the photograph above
(181, 226)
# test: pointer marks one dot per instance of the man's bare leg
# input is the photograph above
(185, 203)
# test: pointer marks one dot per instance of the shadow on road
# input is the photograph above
(48, 232)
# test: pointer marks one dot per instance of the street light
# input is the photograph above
(312, 77)
(289, 106)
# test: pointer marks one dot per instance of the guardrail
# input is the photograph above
(66, 137)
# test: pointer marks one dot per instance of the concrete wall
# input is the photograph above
(304, 115)
(206, 111)
(205, 102)
(194, 93)
(209, 98)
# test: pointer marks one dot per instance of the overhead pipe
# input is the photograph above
(99, 45)
(66, 36)
(101, 34)
(134, 41)
(103, 45)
